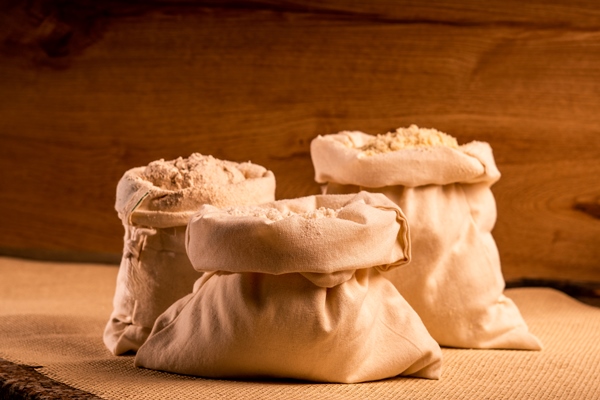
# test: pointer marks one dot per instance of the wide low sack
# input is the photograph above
(454, 282)
(298, 297)
(155, 270)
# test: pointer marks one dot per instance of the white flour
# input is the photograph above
(196, 170)
(274, 214)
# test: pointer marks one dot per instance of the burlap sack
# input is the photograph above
(293, 289)
(455, 281)
(155, 270)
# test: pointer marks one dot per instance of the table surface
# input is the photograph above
(52, 316)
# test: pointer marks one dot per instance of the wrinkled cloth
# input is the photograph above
(299, 297)
(155, 270)
(454, 282)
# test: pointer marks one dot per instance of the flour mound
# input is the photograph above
(404, 138)
(196, 170)
(274, 214)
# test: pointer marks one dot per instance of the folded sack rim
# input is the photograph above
(211, 235)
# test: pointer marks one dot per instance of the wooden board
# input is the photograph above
(89, 91)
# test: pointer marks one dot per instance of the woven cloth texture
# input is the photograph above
(52, 315)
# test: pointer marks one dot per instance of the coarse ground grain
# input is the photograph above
(404, 138)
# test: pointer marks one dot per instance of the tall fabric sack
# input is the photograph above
(455, 281)
(155, 204)
(293, 289)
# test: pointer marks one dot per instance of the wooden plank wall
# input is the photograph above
(90, 89)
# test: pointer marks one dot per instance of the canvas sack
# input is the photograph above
(154, 204)
(293, 289)
(455, 281)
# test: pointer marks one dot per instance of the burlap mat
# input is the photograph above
(52, 315)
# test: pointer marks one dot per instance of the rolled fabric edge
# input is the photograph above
(141, 202)
(337, 158)
(369, 231)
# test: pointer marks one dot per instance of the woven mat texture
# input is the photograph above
(52, 315)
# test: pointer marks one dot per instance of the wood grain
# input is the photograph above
(258, 80)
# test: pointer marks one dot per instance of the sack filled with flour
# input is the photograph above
(455, 281)
(155, 204)
(293, 289)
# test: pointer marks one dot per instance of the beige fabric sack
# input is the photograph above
(455, 281)
(293, 289)
(155, 204)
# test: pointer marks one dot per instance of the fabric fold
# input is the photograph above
(337, 158)
(360, 236)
